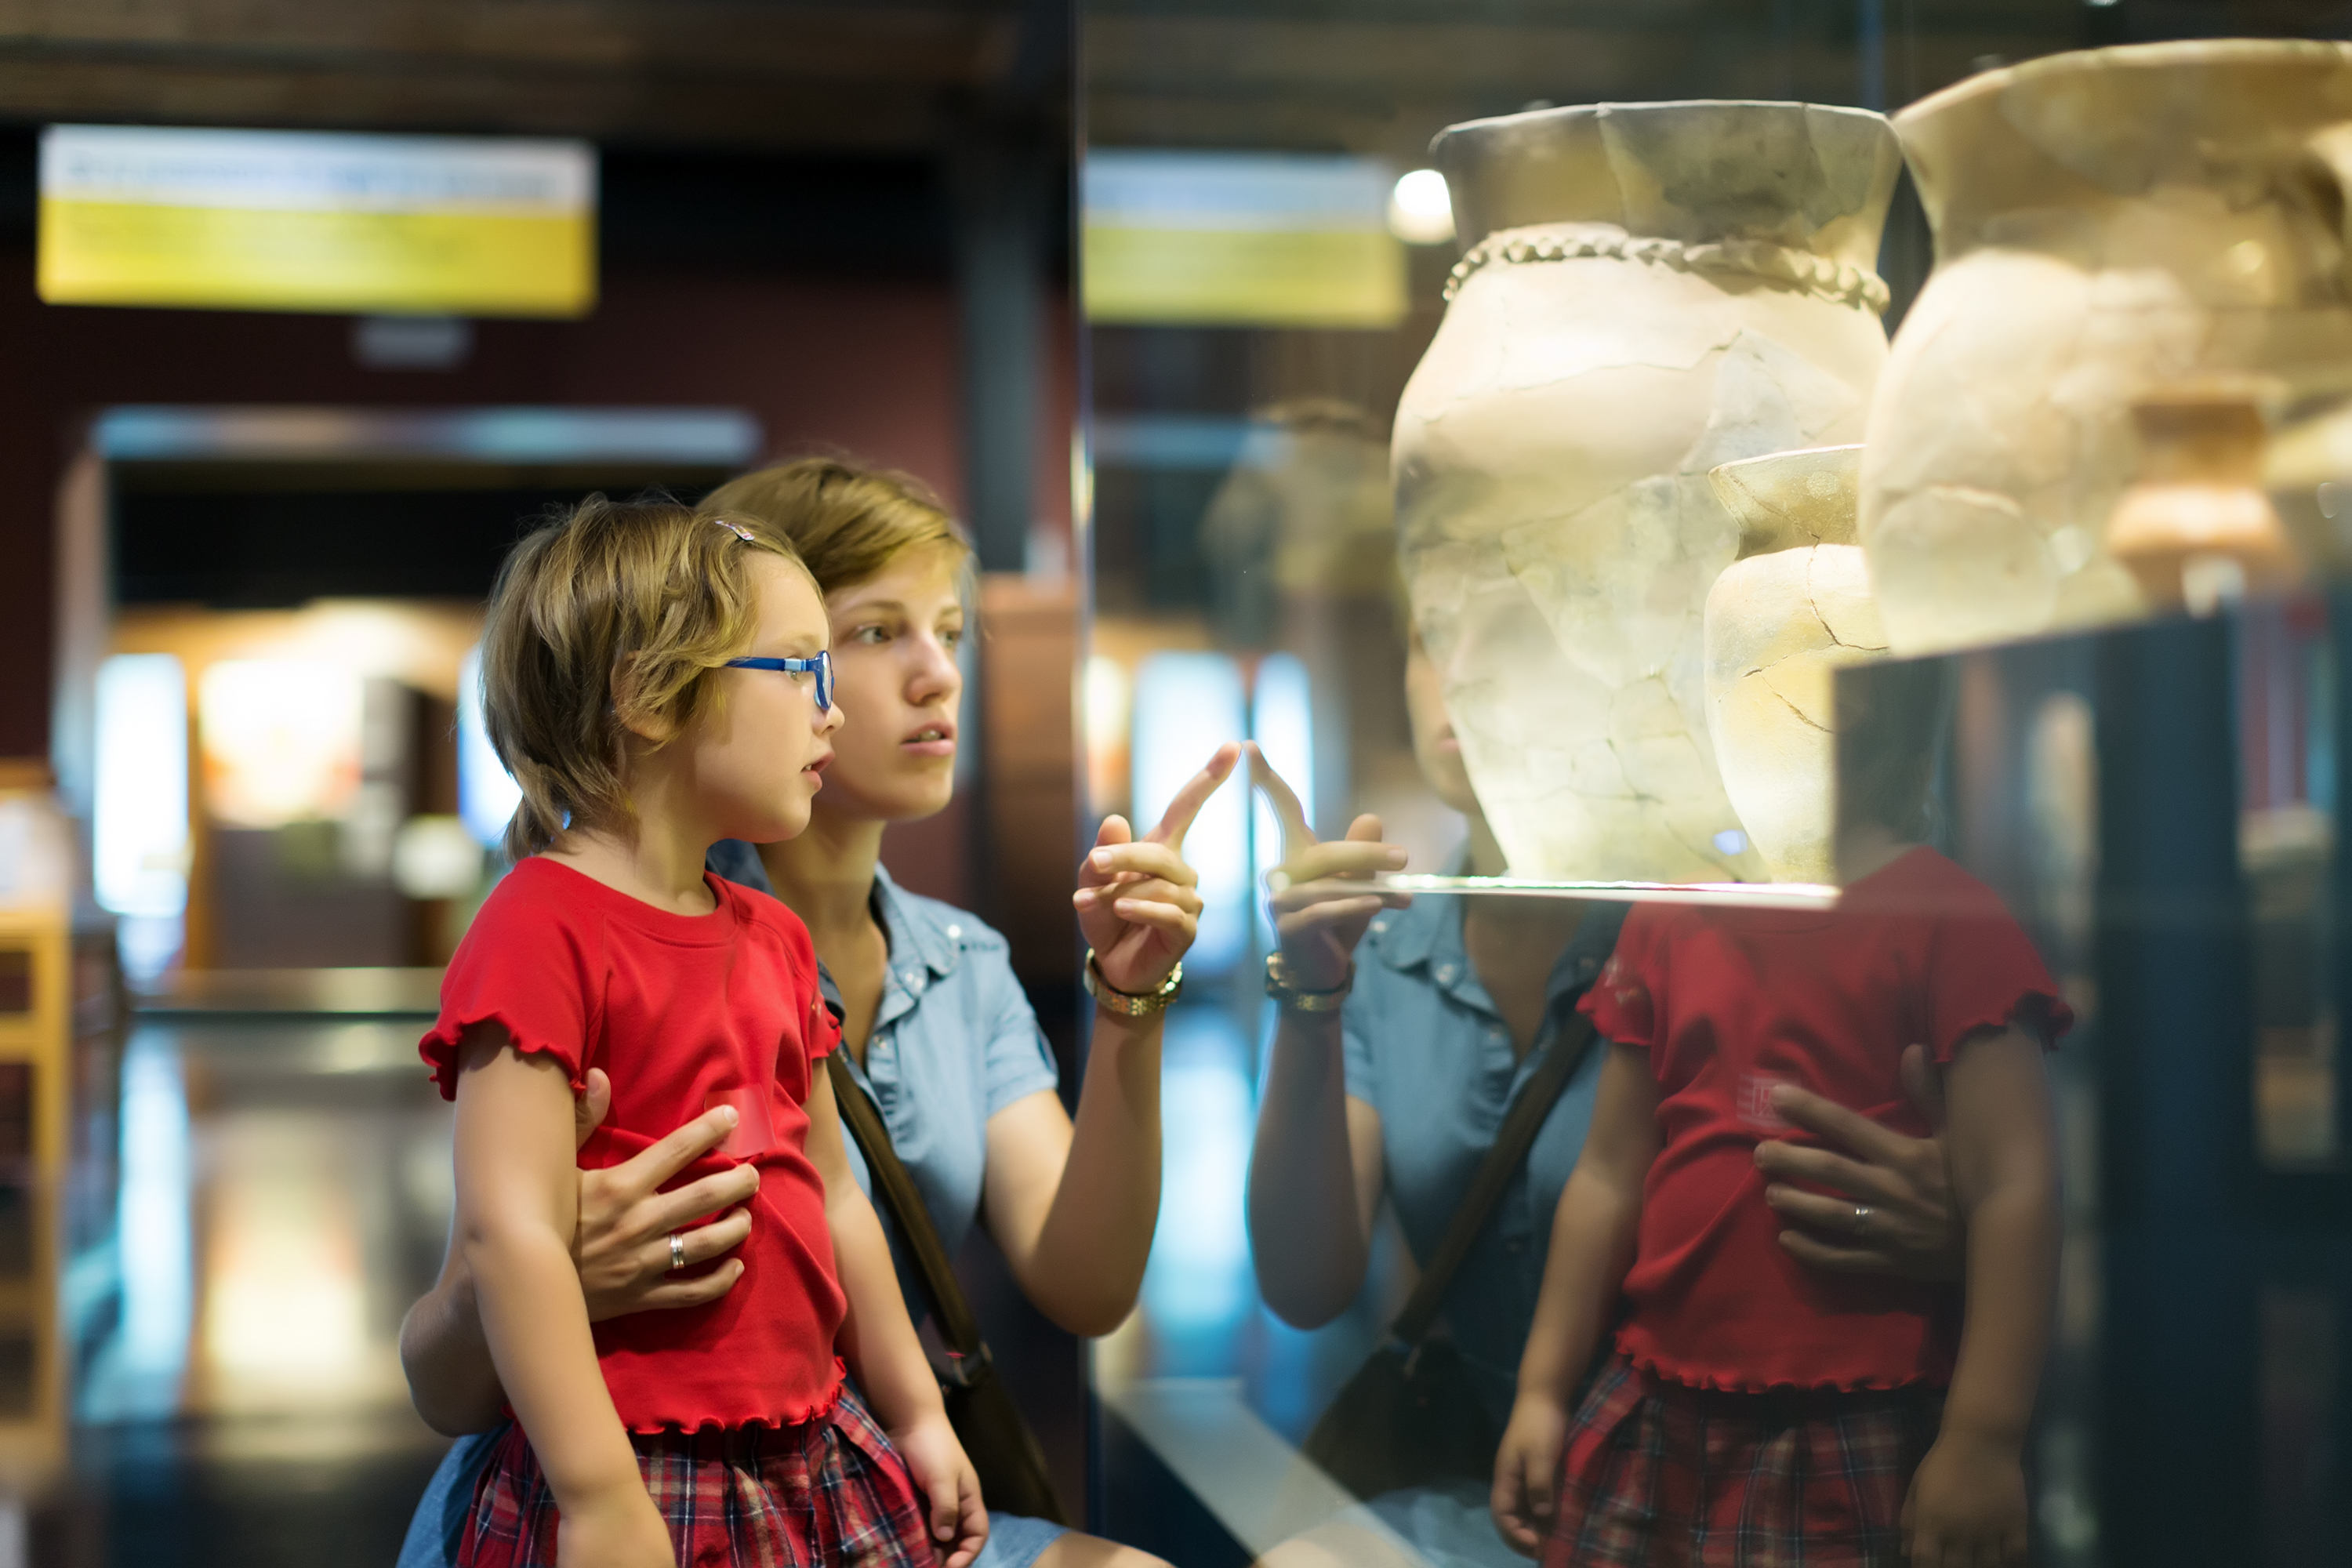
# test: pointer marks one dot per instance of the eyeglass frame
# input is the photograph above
(821, 666)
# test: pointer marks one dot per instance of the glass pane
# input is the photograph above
(2286, 843)
(1502, 522)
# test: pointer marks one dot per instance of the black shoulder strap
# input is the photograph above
(894, 1189)
(1569, 1047)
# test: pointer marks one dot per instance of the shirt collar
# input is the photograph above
(1428, 935)
(913, 931)
(1410, 938)
(909, 928)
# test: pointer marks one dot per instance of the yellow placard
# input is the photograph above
(299, 220)
(119, 253)
(1244, 277)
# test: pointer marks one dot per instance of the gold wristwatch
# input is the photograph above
(1132, 1004)
(1283, 989)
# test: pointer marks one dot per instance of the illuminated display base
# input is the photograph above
(1725, 895)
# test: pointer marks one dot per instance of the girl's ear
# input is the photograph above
(628, 708)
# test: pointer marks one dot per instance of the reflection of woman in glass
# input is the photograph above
(1399, 1094)
(938, 1027)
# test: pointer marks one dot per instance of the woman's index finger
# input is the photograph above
(658, 1161)
(1850, 1130)
(1177, 821)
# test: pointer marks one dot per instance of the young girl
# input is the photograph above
(656, 682)
(1756, 1412)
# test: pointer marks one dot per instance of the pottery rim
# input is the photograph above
(2175, 53)
(1512, 170)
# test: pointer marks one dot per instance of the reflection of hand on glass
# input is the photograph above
(1319, 896)
(1889, 1208)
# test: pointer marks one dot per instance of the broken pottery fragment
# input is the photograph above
(2107, 223)
(1649, 291)
(1779, 622)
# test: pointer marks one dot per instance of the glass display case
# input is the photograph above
(1623, 450)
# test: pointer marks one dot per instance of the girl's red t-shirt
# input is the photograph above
(682, 1012)
(1730, 1003)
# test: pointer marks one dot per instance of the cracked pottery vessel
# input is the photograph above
(1648, 292)
(1780, 620)
(2107, 223)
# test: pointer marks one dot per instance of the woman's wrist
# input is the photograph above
(1144, 1000)
(1310, 986)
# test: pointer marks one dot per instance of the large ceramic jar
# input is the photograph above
(1648, 290)
(2107, 223)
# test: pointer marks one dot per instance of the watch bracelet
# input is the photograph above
(1279, 987)
(1132, 1003)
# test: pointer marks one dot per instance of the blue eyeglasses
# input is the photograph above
(821, 667)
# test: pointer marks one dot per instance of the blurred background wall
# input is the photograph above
(849, 222)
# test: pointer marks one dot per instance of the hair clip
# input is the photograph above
(737, 528)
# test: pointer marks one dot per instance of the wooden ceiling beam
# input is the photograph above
(729, 112)
(762, 74)
(941, 42)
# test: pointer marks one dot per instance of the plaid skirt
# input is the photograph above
(830, 1491)
(1656, 1475)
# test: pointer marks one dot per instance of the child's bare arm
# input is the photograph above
(1593, 1236)
(1968, 1502)
(516, 1193)
(877, 1340)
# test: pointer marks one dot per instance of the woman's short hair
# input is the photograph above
(843, 521)
(608, 619)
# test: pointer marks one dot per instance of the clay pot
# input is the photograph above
(1649, 291)
(2195, 526)
(1780, 621)
(2107, 223)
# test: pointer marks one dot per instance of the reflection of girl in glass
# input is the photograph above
(937, 1027)
(1752, 1405)
(1397, 1096)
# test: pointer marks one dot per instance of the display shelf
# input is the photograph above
(1720, 895)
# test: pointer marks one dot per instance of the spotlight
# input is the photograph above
(1419, 211)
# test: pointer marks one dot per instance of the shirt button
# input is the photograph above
(1379, 926)
(1445, 974)
(954, 932)
(913, 980)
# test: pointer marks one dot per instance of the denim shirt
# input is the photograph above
(1427, 1049)
(955, 1042)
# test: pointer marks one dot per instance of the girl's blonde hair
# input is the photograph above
(608, 620)
(843, 522)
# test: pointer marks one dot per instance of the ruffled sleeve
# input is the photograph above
(1985, 974)
(822, 1029)
(1622, 1002)
(526, 964)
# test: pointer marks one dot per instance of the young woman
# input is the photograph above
(936, 1024)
